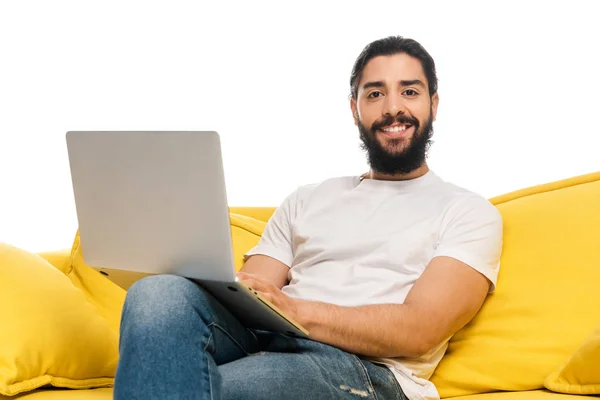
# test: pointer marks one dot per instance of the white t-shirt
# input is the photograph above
(351, 243)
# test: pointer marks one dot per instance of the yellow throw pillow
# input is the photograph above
(49, 334)
(547, 298)
(581, 373)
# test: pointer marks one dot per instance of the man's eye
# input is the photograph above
(374, 95)
(410, 92)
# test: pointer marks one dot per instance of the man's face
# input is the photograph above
(394, 113)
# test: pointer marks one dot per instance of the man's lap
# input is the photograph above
(291, 368)
(167, 319)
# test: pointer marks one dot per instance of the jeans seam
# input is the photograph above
(365, 375)
(211, 325)
(208, 367)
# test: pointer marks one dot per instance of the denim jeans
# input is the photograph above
(179, 342)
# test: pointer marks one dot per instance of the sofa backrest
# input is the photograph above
(259, 213)
(547, 299)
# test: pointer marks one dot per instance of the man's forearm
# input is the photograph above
(386, 330)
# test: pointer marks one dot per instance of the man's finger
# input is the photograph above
(245, 276)
(258, 285)
(267, 296)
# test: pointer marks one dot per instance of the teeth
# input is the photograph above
(395, 129)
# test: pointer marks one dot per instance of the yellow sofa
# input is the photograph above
(536, 337)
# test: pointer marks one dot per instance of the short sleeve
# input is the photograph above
(276, 240)
(472, 233)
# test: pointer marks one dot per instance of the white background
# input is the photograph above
(519, 86)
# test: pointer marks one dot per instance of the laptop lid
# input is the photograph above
(152, 202)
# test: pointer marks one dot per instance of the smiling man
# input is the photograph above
(382, 269)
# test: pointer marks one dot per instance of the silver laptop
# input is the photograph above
(155, 203)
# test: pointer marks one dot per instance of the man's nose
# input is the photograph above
(393, 106)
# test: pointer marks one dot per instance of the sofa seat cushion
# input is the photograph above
(526, 395)
(106, 394)
(61, 394)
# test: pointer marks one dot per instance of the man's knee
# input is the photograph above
(160, 289)
(160, 301)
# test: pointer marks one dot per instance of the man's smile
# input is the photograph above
(396, 130)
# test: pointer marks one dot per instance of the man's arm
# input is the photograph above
(267, 268)
(446, 296)
(271, 257)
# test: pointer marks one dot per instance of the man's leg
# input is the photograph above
(299, 369)
(173, 336)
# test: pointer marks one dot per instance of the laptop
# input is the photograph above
(151, 202)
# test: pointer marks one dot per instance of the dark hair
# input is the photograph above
(389, 46)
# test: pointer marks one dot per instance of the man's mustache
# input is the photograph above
(389, 120)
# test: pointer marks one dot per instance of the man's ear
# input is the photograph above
(435, 100)
(354, 109)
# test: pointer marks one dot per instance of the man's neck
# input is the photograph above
(417, 173)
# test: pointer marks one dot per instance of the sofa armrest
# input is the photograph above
(60, 259)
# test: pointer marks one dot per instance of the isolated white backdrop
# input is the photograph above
(519, 89)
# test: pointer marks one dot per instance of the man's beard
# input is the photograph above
(389, 162)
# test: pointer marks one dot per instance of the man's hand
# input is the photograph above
(287, 304)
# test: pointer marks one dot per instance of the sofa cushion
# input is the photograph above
(107, 297)
(547, 299)
(60, 259)
(580, 374)
(527, 395)
(58, 394)
(245, 234)
(50, 333)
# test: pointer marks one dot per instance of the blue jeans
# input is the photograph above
(179, 342)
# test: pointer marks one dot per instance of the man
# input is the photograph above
(381, 269)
